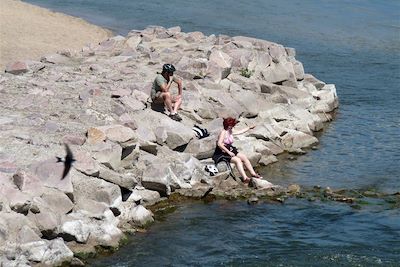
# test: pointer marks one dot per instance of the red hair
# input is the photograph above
(229, 122)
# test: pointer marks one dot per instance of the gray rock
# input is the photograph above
(245, 83)
(108, 153)
(104, 92)
(260, 184)
(219, 66)
(50, 173)
(98, 190)
(122, 180)
(136, 214)
(202, 148)
(147, 197)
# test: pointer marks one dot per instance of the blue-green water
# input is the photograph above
(354, 44)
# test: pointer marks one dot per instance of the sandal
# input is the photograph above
(246, 181)
(257, 176)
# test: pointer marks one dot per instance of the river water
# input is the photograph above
(354, 44)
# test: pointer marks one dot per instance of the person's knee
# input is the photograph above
(242, 157)
(236, 160)
(166, 95)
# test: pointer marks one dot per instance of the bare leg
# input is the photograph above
(177, 103)
(247, 163)
(239, 165)
(167, 101)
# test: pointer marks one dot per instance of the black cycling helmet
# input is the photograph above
(168, 68)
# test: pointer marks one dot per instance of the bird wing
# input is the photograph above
(69, 158)
(67, 167)
(69, 155)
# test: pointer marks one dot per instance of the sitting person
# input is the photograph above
(226, 151)
(160, 92)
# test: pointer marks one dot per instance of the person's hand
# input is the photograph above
(231, 154)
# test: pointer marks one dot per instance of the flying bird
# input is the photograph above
(68, 160)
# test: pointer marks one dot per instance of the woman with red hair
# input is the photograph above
(225, 151)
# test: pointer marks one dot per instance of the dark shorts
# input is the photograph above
(157, 98)
(220, 155)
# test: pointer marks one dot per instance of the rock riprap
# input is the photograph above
(128, 154)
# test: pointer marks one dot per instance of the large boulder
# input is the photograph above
(240, 57)
(77, 227)
(97, 189)
(48, 252)
(327, 99)
(115, 133)
(144, 196)
(202, 148)
(176, 134)
(107, 153)
(50, 173)
(124, 180)
(28, 182)
(276, 72)
(136, 214)
(244, 82)
(293, 140)
(159, 177)
(219, 66)
(85, 163)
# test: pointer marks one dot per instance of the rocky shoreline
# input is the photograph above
(129, 154)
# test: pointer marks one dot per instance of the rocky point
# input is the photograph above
(129, 154)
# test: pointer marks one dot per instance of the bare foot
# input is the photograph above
(246, 180)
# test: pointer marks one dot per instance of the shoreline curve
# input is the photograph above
(28, 32)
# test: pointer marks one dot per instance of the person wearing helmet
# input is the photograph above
(160, 92)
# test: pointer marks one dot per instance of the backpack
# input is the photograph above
(211, 169)
(200, 132)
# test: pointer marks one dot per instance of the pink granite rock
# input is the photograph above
(72, 139)
(17, 68)
(50, 173)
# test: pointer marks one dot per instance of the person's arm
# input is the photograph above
(243, 130)
(221, 145)
(179, 83)
(165, 86)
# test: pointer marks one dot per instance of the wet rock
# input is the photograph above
(294, 189)
(198, 192)
(260, 184)
(252, 200)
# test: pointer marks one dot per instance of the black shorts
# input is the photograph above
(220, 155)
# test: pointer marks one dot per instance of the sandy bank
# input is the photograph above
(29, 32)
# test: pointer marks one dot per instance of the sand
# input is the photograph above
(28, 32)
